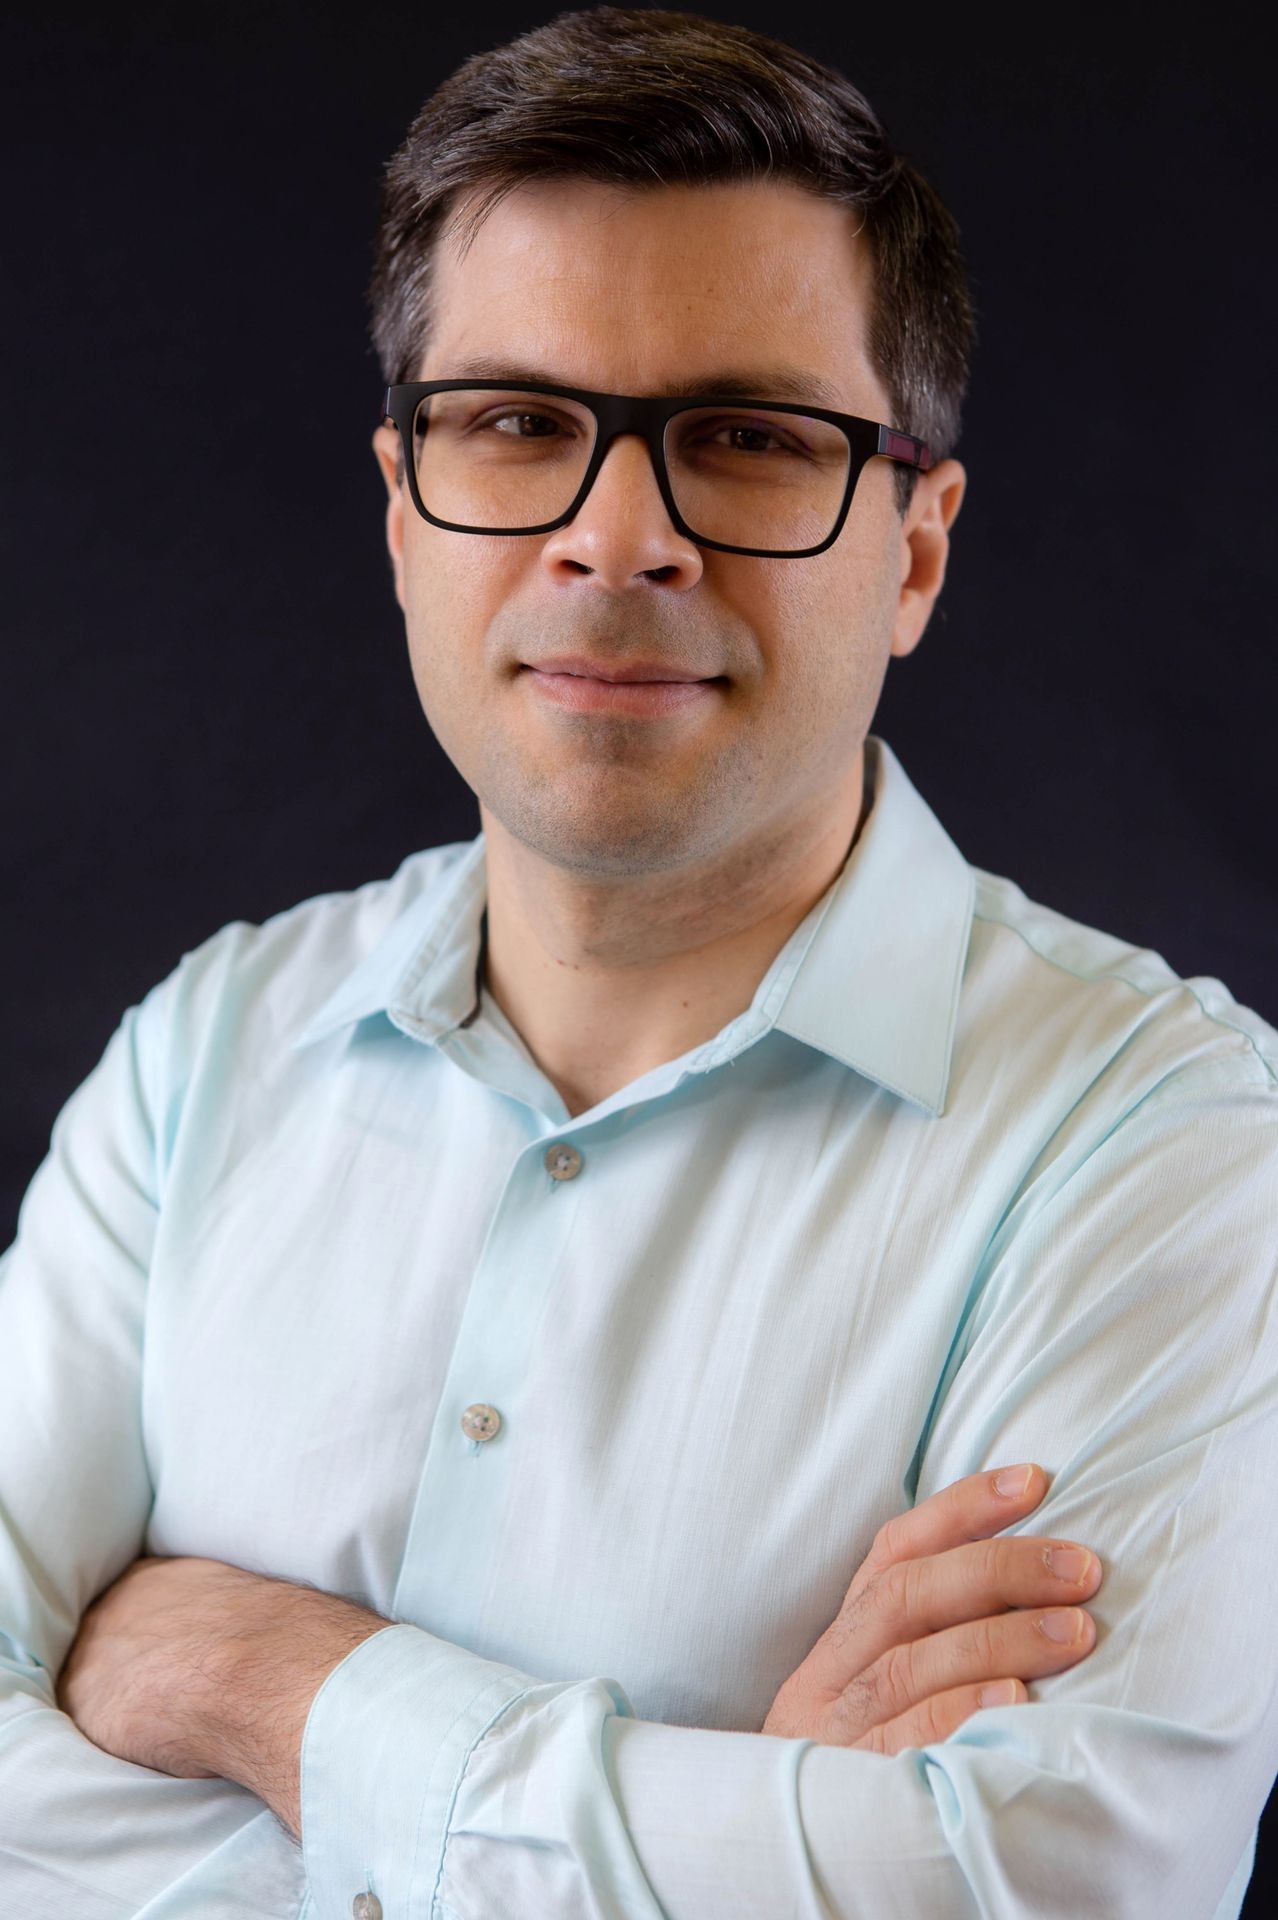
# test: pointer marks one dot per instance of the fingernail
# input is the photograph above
(1064, 1625)
(1012, 1481)
(998, 1693)
(1068, 1563)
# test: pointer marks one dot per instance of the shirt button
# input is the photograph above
(480, 1422)
(366, 1906)
(562, 1161)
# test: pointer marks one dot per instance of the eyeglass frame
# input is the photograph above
(648, 416)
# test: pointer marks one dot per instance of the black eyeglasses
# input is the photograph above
(760, 477)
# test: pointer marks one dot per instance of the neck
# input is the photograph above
(604, 979)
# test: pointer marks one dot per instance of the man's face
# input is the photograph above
(632, 292)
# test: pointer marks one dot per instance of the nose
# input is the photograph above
(622, 533)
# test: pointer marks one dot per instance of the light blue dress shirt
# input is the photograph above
(603, 1412)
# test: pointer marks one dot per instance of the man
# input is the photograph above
(513, 1375)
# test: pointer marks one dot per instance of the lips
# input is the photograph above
(585, 693)
(632, 672)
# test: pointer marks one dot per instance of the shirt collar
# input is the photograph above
(879, 986)
(871, 977)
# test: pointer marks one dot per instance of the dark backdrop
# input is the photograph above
(207, 708)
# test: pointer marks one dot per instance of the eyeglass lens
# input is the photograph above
(742, 475)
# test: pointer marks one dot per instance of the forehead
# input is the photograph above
(629, 290)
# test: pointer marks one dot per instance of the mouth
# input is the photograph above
(591, 667)
(580, 692)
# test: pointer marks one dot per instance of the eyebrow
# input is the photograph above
(733, 383)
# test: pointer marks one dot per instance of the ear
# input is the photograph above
(925, 548)
(388, 448)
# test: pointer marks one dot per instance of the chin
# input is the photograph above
(588, 844)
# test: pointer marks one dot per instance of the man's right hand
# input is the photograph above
(938, 1614)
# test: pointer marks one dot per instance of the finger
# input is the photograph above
(913, 1598)
(917, 1597)
(936, 1718)
(1027, 1645)
(969, 1509)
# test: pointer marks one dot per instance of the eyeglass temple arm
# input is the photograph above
(903, 446)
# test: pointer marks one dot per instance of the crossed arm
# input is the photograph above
(204, 1670)
(199, 1669)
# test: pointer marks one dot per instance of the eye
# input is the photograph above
(525, 425)
(742, 431)
(748, 436)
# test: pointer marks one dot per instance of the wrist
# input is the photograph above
(269, 1669)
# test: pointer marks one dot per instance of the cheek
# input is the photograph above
(819, 619)
(455, 587)
(855, 594)
(826, 627)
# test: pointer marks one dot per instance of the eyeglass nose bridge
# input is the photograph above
(646, 418)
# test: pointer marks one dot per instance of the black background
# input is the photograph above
(207, 708)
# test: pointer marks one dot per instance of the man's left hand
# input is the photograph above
(207, 1671)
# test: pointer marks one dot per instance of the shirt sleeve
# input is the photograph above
(1121, 1331)
(83, 1834)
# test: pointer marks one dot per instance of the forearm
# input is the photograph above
(196, 1668)
(191, 1681)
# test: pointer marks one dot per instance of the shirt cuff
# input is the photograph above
(385, 1744)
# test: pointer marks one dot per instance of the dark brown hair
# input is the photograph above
(643, 97)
